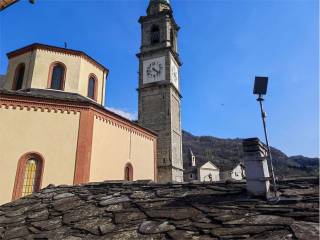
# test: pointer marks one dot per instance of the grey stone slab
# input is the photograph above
(114, 208)
(56, 234)
(18, 212)
(114, 200)
(126, 235)
(9, 220)
(63, 195)
(261, 220)
(273, 235)
(142, 195)
(153, 204)
(122, 217)
(16, 232)
(73, 238)
(82, 213)
(205, 225)
(188, 235)
(96, 226)
(228, 215)
(173, 213)
(33, 230)
(242, 230)
(300, 215)
(49, 224)
(41, 215)
(152, 227)
(65, 204)
(305, 230)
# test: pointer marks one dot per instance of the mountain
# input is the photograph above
(228, 152)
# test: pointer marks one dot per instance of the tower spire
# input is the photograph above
(193, 158)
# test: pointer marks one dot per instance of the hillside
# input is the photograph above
(226, 152)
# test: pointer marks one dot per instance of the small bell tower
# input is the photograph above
(193, 158)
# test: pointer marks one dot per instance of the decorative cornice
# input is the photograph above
(160, 85)
(40, 46)
(31, 102)
(168, 13)
(34, 105)
(152, 51)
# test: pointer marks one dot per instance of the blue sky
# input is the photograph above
(223, 44)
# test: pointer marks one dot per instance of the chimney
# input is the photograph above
(256, 165)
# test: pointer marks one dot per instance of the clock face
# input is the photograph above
(174, 74)
(154, 70)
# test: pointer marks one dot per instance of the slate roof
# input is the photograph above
(147, 210)
(46, 47)
(49, 94)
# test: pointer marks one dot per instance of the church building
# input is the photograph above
(201, 171)
(55, 130)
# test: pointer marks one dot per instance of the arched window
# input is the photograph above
(57, 76)
(18, 77)
(92, 87)
(128, 172)
(155, 34)
(29, 175)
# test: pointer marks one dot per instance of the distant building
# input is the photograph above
(232, 172)
(206, 172)
(209, 171)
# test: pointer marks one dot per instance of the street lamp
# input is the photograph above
(260, 89)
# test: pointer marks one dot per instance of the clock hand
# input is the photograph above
(155, 70)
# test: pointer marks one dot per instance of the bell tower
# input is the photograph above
(159, 87)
